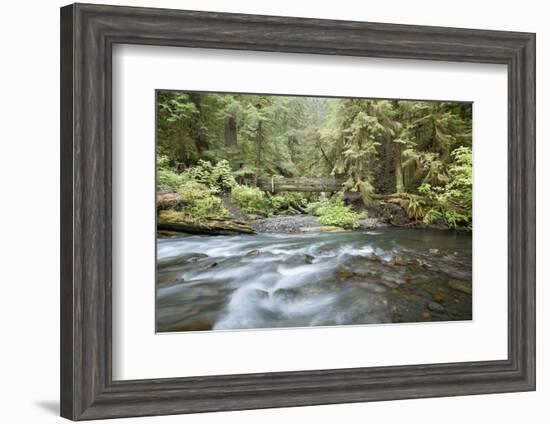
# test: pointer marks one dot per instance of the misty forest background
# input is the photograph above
(248, 156)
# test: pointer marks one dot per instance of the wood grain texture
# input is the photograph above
(88, 33)
(281, 184)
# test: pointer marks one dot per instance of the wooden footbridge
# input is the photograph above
(280, 184)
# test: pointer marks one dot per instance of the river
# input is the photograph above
(299, 280)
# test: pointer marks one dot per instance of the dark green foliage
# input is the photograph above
(333, 212)
(254, 200)
(197, 188)
(251, 199)
(217, 177)
(339, 216)
(453, 202)
(225, 142)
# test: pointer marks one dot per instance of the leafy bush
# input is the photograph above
(453, 202)
(190, 191)
(198, 205)
(162, 160)
(316, 208)
(207, 207)
(251, 199)
(366, 190)
(198, 200)
(168, 180)
(339, 216)
(196, 187)
(217, 177)
(416, 208)
(288, 201)
(333, 212)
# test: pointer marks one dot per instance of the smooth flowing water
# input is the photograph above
(288, 280)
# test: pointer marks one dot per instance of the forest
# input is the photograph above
(290, 211)
(405, 162)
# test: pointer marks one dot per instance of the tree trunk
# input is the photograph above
(387, 164)
(201, 140)
(214, 227)
(259, 139)
(325, 157)
(230, 131)
(399, 186)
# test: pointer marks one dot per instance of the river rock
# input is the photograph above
(373, 287)
(183, 260)
(206, 290)
(370, 223)
(287, 224)
(164, 281)
(435, 307)
(399, 260)
(261, 294)
(203, 266)
(433, 251)
(254, 252)
(194, 257)
(422, 263)
(439, 297)
(345, 274)
(286, 294)
(389, 284)
(371, 256)
(309, 258)
(331, 229)
(461, 286)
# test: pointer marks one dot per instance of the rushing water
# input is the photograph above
(288, 280)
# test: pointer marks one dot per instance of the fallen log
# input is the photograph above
(169, 200)
(213, 227)
(394, 196)
(279, 184)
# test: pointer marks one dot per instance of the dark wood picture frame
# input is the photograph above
(88, 33)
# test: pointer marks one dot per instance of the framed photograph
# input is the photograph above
(264, 211)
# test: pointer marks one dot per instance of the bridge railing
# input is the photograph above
(280, 184)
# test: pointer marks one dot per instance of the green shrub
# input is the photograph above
(251, 199)
(191, 191)
(334, 212)
(288, 201)
(452, 203)
(416, 208)
(366, 190)
(339, 216)
(168, 180)
(217, 177)
(317, 208)
(162, 161)
(200, 202)
(198, 206)
(207, 207)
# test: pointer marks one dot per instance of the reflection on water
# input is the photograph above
(288, 280)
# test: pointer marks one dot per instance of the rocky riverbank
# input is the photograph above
(385, 211)
(295, 224)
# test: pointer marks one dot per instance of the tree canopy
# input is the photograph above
(377, 146)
